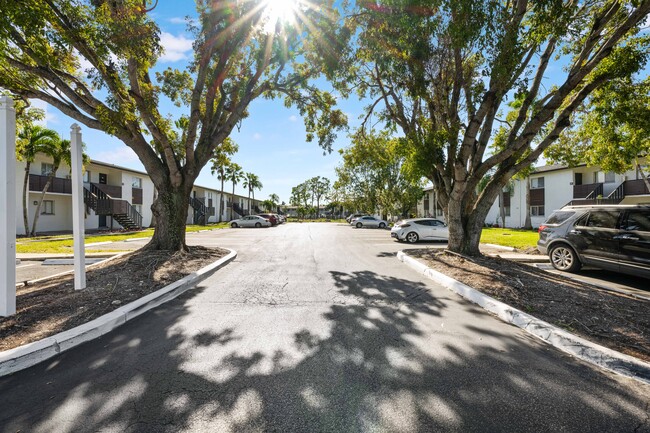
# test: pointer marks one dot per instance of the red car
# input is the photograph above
(272, 218)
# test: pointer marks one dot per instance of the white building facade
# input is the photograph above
(553, 187)
(115, 198)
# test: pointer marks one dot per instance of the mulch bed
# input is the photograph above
(54, 306)
(619, 322)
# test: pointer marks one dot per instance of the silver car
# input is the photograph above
(369, 221)
(415, 229)
(250, 221)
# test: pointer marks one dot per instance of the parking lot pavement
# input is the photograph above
(33, 270)
(633, 285)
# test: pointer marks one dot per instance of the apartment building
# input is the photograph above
(553, 187)
(115, 198)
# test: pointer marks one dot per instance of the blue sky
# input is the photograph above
(271, 140)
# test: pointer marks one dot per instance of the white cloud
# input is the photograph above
(176, 47)
(182, 20)
(293, 118)
(119, 156)
(257, 136)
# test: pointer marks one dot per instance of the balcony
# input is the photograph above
(589, 190)
(110, 190)
(537, 197)
(58, 185)
(635, 187)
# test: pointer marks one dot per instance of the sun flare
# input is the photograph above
(280, 12)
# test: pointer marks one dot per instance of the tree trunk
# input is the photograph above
(170, 210)
(25, 195)
(465, 228)
(502, 208)
(643, 175)
(528, 225)
(221, 199)
(50, 177)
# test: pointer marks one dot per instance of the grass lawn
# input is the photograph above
(520, 239)
(63, 243)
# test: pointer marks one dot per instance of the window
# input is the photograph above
(86, 177)
(537, 182)
(439, 211)
(507, 210)
(46, 168)
(537, 210)
(422, 223)
(637, 220)
(602, 219)
(559, 217)
(610, 177)
(137, 182)
(47, 208)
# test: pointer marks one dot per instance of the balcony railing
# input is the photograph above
(110, 190)
(58, 185)
(584, 191)
(635, 187)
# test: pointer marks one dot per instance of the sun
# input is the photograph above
(279, 12)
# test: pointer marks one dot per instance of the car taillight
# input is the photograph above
(541, 228)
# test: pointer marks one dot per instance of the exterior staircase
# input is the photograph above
(201, 211)
(120, 210)
(241, 211)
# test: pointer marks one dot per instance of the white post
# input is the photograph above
(77, 208)
(8, 207)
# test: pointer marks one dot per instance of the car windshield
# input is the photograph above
(559, 217)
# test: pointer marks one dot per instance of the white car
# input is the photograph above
(250, 221)
(368, 221)
(415, 229)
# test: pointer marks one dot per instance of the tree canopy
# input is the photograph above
(440, 72)
(96, 61)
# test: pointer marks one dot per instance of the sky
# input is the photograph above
(272, 140)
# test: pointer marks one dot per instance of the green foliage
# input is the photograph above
(94, 60)
(375, 173)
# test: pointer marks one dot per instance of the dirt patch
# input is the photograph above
(616, 321)
(53, 306)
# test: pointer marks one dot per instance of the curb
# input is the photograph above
(500, 247)
(593, 353)
(22, 357)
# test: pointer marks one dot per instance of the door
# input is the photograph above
(599, 245)
(634, 242)
(439, 230)
(578, 179)
(103, 178)
(424, 229)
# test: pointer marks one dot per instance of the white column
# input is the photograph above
(8, 204)
(77, 208)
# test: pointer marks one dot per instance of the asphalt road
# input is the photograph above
(318, 328)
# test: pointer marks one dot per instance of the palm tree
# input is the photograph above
(59, 152)
(220, 162)
(234, 173)
(275, 199)
(32, 139)
(251, 182)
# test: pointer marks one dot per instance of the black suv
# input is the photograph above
(616, 238)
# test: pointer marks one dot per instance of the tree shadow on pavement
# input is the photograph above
(364, 362)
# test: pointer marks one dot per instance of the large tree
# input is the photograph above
(440, 71)
(376, 169)
(94, 60)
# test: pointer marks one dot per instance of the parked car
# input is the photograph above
(271, 217)
(250, 221)
(355, 216)
(616, 238)
(369, 221)
(415, 229)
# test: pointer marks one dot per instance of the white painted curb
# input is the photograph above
(572, 344)
(500, 247)
(22, 357)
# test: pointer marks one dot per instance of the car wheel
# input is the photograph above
(258, 225)
(564, 258)
(412, 237)
(382, 225)
(234, 225)
(359, 225)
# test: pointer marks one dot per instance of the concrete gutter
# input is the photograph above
(593, 353)
(23, 357)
